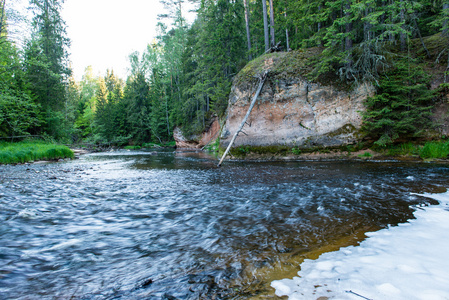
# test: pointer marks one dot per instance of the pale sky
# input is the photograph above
(105, 32)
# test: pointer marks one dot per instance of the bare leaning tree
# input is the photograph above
(262, 79)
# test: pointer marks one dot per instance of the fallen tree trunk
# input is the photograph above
(253, 102)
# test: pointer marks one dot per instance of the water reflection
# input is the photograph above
(171, 225)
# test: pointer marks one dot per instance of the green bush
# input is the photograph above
(402, 149)
(435, 150)
(296, 151)
(365, 155)
(133, 147)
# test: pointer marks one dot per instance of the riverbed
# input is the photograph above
(170, 225)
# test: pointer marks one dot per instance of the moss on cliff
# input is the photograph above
(257, 66)
(275, 150)
(347, 129)
(298, 64)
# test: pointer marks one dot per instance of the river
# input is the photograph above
(170, 225)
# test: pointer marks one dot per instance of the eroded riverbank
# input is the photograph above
(137, 224)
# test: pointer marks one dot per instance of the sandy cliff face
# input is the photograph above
(295, 112)
(197, 142)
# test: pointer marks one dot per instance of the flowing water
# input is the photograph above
(168, 225)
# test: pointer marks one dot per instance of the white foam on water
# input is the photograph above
(408, 261)
(61, 245)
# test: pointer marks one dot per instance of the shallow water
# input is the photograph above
(167, 225)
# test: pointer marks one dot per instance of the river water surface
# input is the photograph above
(168, 225)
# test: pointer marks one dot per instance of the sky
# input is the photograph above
(105, 32)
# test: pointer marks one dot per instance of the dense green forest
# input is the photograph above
(185, 76)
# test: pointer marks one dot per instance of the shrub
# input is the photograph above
(296, 151)
(434, 150)
(133, 147)
(366, 155)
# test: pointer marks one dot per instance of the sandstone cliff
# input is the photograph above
(291, 110)
(295, 112)
(199, 141)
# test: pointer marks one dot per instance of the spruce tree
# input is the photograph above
(137, 96)
(46, 63)
(101, 109)
(402, 105)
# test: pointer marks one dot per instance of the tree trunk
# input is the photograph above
(2, 18)
(265, 25)
(420, 36)
(251, 106)
(367, 27)
(286, 31)
(348, 39)
(320, 26)
(446, 18)
(273, 39)
(248, 34)
(402, 37)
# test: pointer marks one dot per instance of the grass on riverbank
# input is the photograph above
(21, 152)
(170, 144)
(430, 150)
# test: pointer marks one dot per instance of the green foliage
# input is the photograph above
(214, 53)
(430, 150)
(242, 151)
(366, 155)
(18, 113)
(401, 106)
(213, 147)
(405, 149)
(129, 147)
(184, 77)
(296, 151)
(12, 153)
(137, 95)
(46, 66)
(435, 150)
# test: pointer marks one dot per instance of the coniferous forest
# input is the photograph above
(184, 77)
